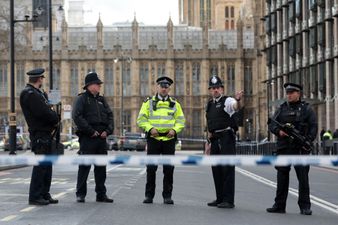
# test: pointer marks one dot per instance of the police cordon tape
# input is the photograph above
(198, 160)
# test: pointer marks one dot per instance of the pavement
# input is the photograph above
(193, 188)
(8, 167)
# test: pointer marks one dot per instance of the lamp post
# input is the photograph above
(12, 114)
(50, 44)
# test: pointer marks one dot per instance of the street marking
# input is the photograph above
(128, 169)
(116, 191)
(143, 171)
(70, 189)
(9, 218)
(326, 169)
(60, 194)
(28, 209)
(15, 195)
(114, 167)
(314, 200)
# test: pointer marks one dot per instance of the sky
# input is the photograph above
(149, 12)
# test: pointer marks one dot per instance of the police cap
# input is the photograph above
(292, 87)
(215, 81)
(36, 72)
(164, 81)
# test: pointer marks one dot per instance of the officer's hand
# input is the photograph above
(171, 133)
(153, 132)
(239, 95)
(282, 134)
(103, 134)
(209, 135)
(95, 134)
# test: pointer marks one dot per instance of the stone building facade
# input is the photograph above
(301, 46)
(189, 55)
(220, 14)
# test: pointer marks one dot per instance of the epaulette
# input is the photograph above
(147, 99)
(173, 98)
(80, 94)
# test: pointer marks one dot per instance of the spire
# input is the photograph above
(99, 22)
(170, 22)
(135, 23)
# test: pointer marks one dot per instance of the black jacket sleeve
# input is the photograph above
(273, 127)
(313, 124)
(40, 109)
(78, 117)
(110, 115)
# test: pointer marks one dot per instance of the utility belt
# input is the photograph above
(216, 134)
(148, 135)
(42, 145)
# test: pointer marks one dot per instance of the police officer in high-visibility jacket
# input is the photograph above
(161, 116)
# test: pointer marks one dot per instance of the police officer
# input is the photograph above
(161, 116)
(94, 121)
(300, 114)
(42, 121)
(222, 126)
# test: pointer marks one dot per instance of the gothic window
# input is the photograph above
(231, 79)
(126, 77)
(196, 78)
(109, 79)
(74, 79)
(56, 77)
(179, 79)
(20, 78)
(144, 79)
(3, 80)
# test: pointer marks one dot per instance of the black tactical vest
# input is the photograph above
(295, 114)
(217, 118)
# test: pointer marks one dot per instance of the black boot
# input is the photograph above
(168, 201)
(307, 212)
(275, 209)
(104, 199)
(148, 200)
(39, 201)
(213, 203)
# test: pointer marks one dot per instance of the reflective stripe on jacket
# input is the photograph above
(161, 115)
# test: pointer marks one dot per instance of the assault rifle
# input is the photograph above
(294, 134)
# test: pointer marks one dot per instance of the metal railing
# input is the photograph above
(328, 147)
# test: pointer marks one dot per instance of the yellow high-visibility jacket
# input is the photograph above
(161, 115)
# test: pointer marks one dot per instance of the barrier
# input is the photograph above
(198, 160)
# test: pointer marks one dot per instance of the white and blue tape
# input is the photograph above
(196, 160)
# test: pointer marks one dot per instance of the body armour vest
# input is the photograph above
(217, 118)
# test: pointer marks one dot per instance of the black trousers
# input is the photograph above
(224, 176)
(156, 147)
(41, 178)
(283, 186)
(90, 146)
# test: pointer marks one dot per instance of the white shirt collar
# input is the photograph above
(217, 99)
(162, 98)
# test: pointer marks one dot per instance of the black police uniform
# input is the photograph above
(304, 119)
(42, 121)
(222, 126)
(92, 113)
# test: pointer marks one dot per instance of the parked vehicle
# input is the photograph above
(72, 144)
(2, 144)
(22, 143)
(112, 142)
(133, 141)
(178, 145)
